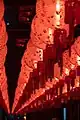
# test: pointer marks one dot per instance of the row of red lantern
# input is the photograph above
(3, 51)
(39, 75)
(40, 36)
(30, 57)
(55, 88)
(44, 56)
(48, 15)
(41, 68)
(49, 63)
(49, 100)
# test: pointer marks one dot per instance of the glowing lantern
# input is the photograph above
(64, 89)
(66, 71)
(57, 13)
(58, 6)
(1, 9)
(3, 51)
(24, 116)
(35, 64)
(51, 35)
(42, 33)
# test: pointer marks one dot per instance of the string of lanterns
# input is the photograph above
(62, 86)
(49, 31)
(3, 51)
(40, 37)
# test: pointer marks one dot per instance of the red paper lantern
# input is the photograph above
(3, 51)
(42, 33)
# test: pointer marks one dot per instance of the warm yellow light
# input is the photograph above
(58, 17)
(58, 13)
(50, 33)
(78, 60)
(24, 117)
(58, 6)
(58, 20)
(56, 79)
(41, 55)
(58, 23)
(35, 64)
(66, 71)
(72, 66)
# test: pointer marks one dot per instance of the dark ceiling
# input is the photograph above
(18, 35)
(19, 2)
